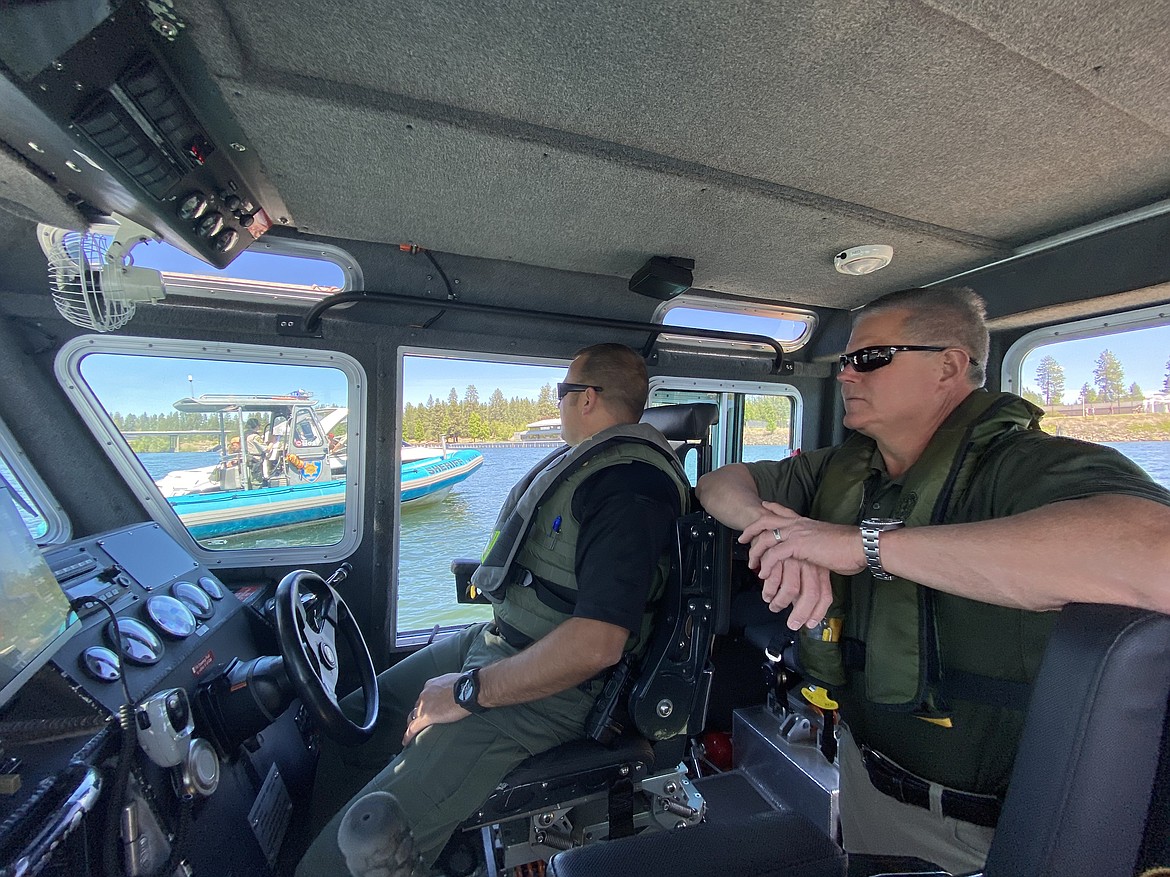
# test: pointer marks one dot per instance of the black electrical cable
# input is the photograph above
(118, 790)
(129, 730)
(442, 273)
(81, 603)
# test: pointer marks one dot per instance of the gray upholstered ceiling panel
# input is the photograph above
(587, 136)
(457, 190)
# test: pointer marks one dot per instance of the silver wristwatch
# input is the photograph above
(871, 528)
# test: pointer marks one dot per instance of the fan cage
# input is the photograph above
(79, 283)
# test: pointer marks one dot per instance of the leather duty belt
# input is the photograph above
(897, 782)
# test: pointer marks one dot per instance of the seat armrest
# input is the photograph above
(463, 569)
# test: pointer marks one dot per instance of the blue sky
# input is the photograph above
(1143, 354)
(423, 376)
(133, 384)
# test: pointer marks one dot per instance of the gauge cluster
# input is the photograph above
(166, 604)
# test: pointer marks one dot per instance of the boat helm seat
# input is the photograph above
(1089, 794)
(627, 774)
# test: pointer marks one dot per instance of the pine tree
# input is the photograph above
(1109, 377)
(1050, 378)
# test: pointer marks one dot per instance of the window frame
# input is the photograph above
(68, 370)
(727, 451)
(409, 640)
(59, 528)
(1011, 378)
(730, 306)
(234, 289)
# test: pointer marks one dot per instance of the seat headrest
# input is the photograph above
(684, 422)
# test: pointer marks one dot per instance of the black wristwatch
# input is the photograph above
(871, 530)
(467, 691)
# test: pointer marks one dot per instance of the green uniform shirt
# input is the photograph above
(1028, 470)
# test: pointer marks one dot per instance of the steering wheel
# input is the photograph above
(307, 630)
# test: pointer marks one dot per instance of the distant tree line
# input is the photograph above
(1108, 385)
(181, 421)
(774, 411)
(497, 419)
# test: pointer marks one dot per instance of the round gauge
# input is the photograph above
(140, 644)
(170, 616)
(211, 586)
(194, 598)
(210, 225)
(100, 663)
(193, 206)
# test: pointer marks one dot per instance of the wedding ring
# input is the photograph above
(779, 536)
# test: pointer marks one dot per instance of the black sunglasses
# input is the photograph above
(869, 359)
(564, 390)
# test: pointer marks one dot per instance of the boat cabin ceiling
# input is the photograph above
(586, 138)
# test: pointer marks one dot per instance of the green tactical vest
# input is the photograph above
(550, 548)
(902, 661)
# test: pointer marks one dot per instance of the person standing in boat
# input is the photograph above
(461, 713)
(919, 557)
(255, 448)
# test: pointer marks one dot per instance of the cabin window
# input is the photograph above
(757, 421)
(237, 450)
(20, 485)
(272, 269)
(1104, 380)
(470, 428)
(790, 327)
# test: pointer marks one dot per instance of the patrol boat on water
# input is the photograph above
(297, 480)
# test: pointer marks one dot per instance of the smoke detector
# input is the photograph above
(863, 260)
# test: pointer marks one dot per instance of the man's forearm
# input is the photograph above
(1103, 549)
(730, 496)
(571, 653)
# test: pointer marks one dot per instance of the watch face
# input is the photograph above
(466, 690)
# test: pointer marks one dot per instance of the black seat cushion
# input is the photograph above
(765, 845)
(568, 772)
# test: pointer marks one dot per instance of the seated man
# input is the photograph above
(577, 561)
(929, 636)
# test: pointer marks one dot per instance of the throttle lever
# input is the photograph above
(339, 575)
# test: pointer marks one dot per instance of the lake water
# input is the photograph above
(460, 525)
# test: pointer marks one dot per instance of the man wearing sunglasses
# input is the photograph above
(576, 563)
(917, 560)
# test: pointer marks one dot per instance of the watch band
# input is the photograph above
(871, 530)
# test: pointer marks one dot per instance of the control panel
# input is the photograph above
(120, 113)
(156, 629)
(167, 606)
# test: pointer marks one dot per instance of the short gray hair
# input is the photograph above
(622, 372)
(952, 315)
